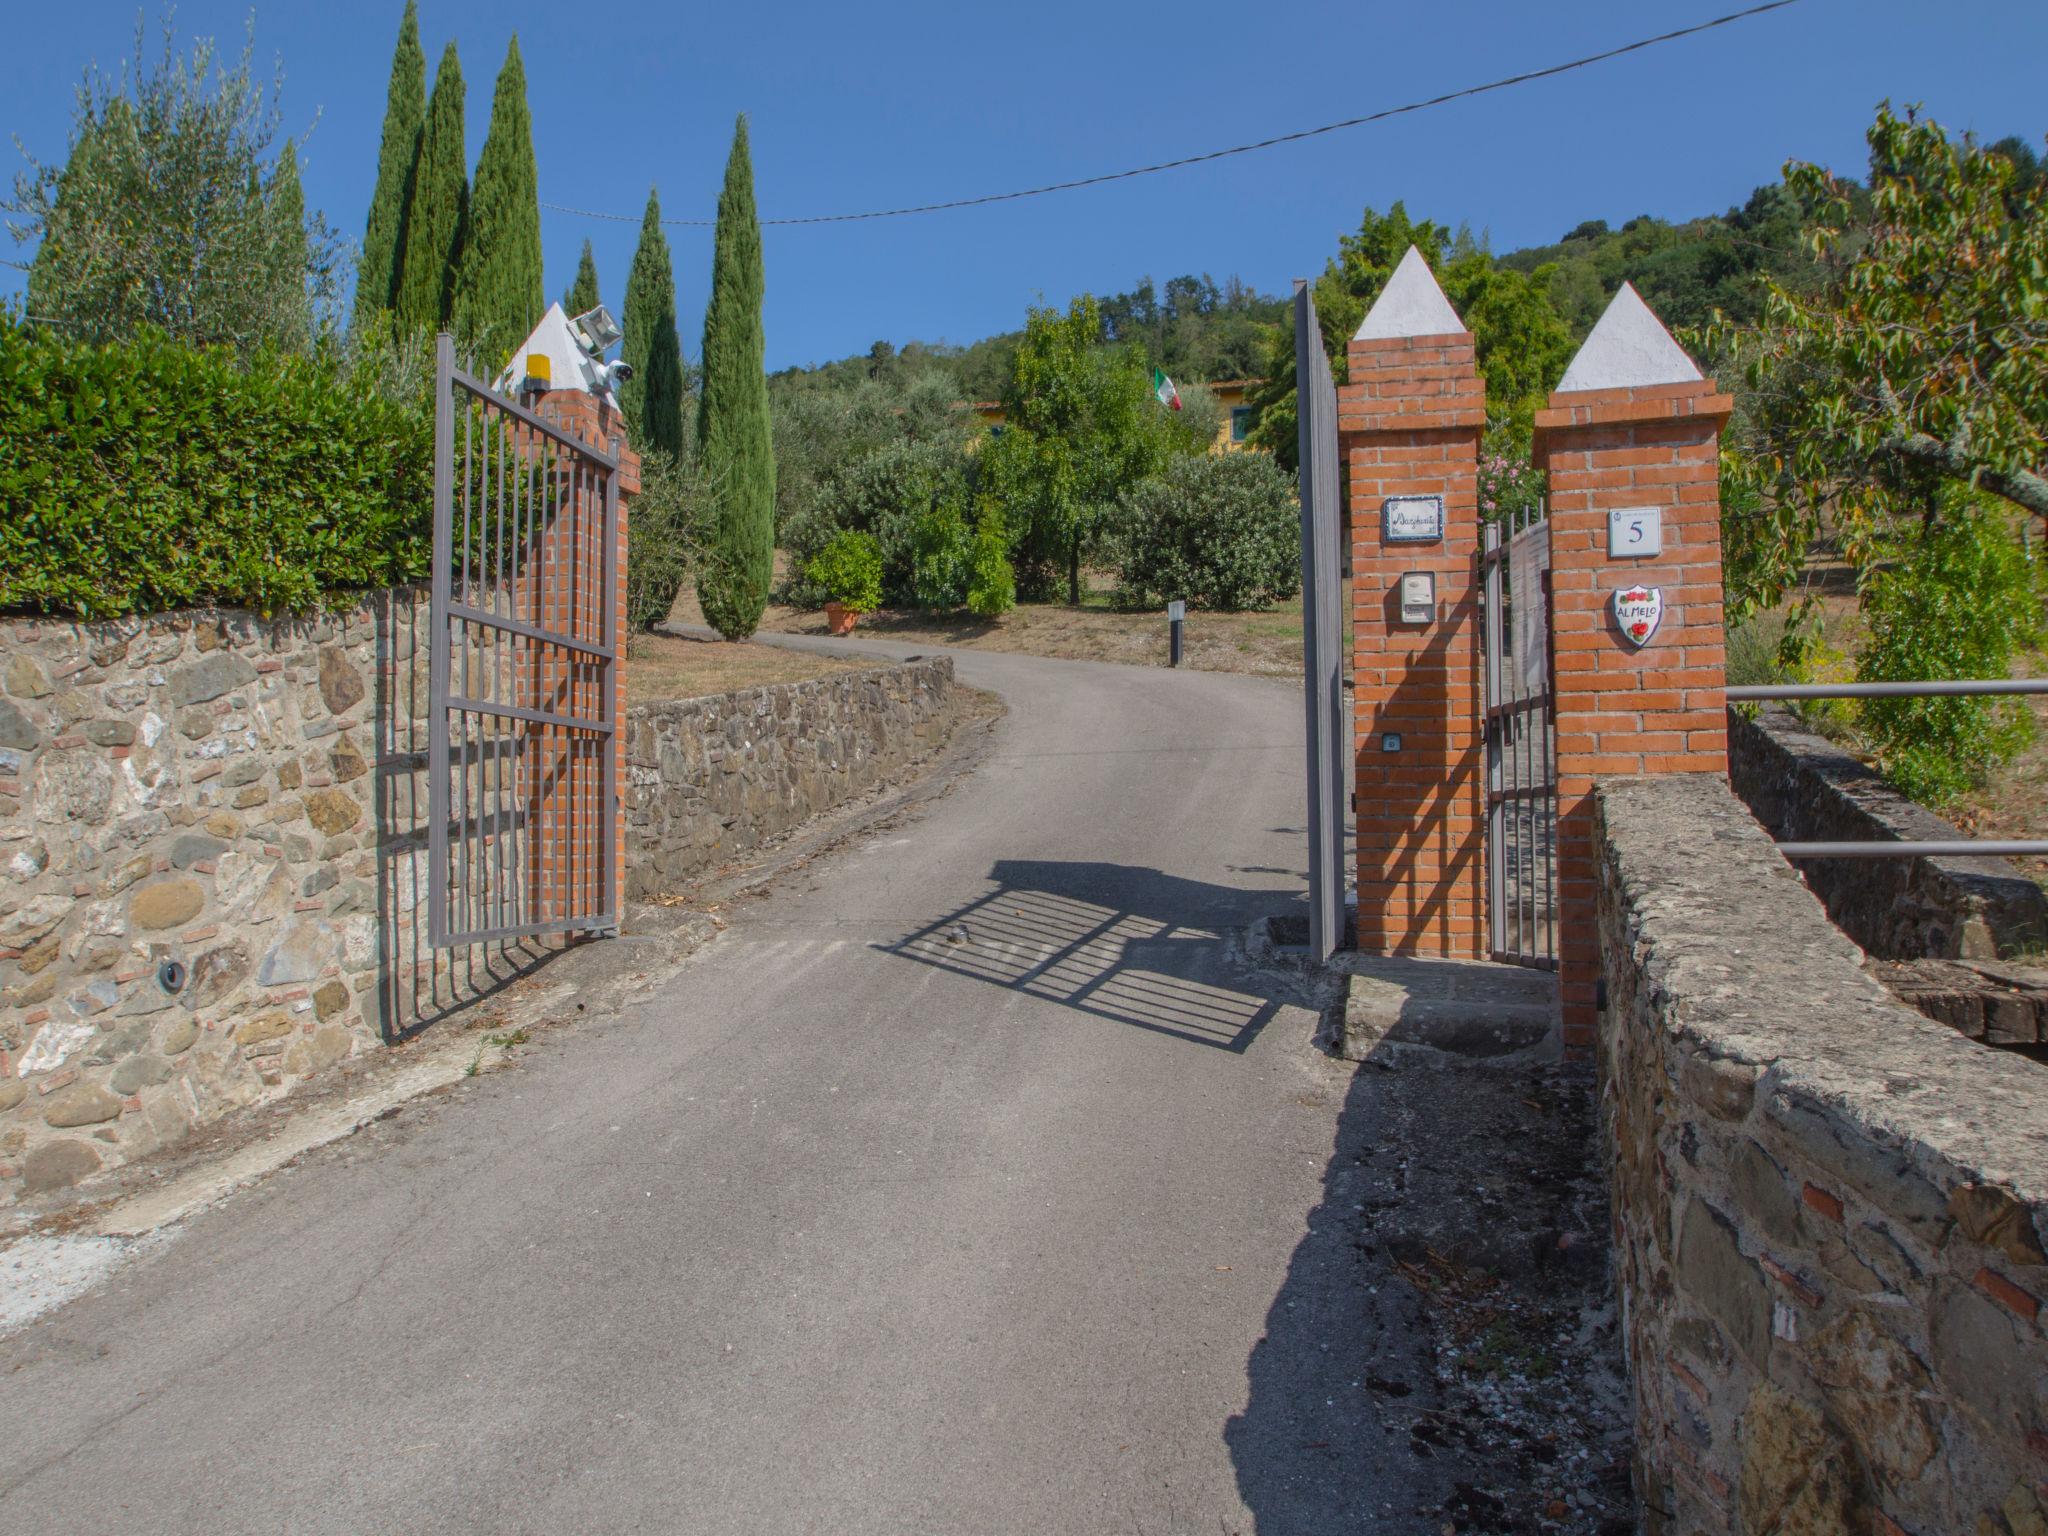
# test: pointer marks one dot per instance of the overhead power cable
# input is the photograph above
(1236, 149)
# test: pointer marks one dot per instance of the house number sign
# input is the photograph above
(1412, 519)
(1635, 533)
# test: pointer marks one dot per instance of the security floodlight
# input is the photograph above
(597, 330)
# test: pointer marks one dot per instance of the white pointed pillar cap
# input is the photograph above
(1628, 349)
(571, 366)
(1410, 305)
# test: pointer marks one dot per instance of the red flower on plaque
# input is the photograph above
(1637, 612)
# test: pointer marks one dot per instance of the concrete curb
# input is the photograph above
(1395, 1010)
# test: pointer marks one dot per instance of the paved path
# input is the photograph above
(966, 1185)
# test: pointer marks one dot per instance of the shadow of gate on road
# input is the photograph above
(1117, 941)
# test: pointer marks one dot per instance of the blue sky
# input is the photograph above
(855, 107)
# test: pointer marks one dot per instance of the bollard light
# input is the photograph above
(1176, 621)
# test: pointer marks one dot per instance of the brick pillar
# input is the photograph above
(1633, 425)
(562, 791)
(1411, 416)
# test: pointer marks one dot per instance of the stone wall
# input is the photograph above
(195, 810)
(708, 779)
(213, 831)
(1807, 789)
(1829, 1211)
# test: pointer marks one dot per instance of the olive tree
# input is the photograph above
(172, 210)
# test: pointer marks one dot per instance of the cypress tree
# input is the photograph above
(653, 398)
(581, 296)
(733, 430)
(405, 115)
(290, 252)
(500, 291)
(437, 216)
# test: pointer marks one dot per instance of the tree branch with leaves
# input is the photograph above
(1921, 363)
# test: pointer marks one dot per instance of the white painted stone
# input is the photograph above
(54, 1042)
(1629, 348)
(1410, 305)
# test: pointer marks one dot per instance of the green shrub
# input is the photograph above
(991, 581)
(1957, 603)
(849, 571)
(939, 548)
(1219, 530)
(665, 543)
(148, 475)
(898, 494)
(803, 540)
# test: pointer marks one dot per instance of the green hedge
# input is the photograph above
(148, 475)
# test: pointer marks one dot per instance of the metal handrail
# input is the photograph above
(1954, 688)
(1966, 848)
(1964, 687)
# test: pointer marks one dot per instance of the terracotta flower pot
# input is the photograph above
(839, 618)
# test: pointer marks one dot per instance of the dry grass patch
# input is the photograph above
(663, 667)
(1266, 643)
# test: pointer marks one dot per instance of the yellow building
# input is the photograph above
(1231, 395)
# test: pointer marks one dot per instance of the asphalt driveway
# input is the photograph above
(970, 1183)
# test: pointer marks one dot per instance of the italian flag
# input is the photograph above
(1162, 386)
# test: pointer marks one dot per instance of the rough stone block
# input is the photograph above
(1729, 1286)
(80, 1104)
(265, 1026)
(209, 678)
(299, 955)
(1798, 1472)
(17, 732)
(341, 684)
(57, 1165)
(333, 811)
(26, 679)
(166, 904)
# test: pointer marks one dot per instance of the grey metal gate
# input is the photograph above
(1322, 597)
(522, 761)
(1520, 721)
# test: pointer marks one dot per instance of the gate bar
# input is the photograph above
(608, 778)
(1496, 821)
(437, 655)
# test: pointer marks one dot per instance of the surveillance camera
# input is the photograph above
(617, 371)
